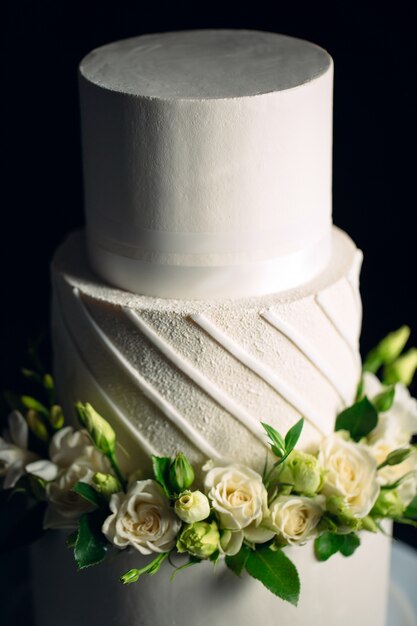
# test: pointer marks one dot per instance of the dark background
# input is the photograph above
(375, 103)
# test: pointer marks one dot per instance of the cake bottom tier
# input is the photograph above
(340, 592)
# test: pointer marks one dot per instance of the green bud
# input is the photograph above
(132, 576)
(336, 505)
(100, 431)
(402, 370)
(192, 506)
(369, 524)
(181, 473)
(37, 424)
(303, 471)
(396, 457)
(106, 484)
(56, 417)
(387, 350)
(388, 504)
(200, 539)
(48, 382)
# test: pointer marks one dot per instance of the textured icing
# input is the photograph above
(207, 185)
(201, 375)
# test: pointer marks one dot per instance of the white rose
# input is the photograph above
(399, 423)
(14, 455)
(295, 518)
(68, 445)
(142, 518)
(64, 505)
(350, 472)
(192, 506)
(240, 500)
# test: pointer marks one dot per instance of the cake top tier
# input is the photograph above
(205, 64)
(207, 162)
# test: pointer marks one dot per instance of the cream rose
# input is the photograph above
(295, 518)
(350, 472)
(142, 518)
(14, 455)
(240, 500)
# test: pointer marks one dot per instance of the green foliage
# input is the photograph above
(161, 465)
(411, 511)
(133, 575)
(90, 494)
(237, 562)
(330, 543)
(276, 572)
(91, 545)
(387, 350)
(283, 447)
(359, 419)
(384, 400)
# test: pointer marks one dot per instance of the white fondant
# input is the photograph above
(276, 381)
(340, 592)
(216, 394)
(147, 389)
(303, 344)
(251, 422)
(192, 173)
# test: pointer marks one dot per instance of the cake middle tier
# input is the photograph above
(200, 376)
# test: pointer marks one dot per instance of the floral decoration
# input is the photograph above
(360, 475)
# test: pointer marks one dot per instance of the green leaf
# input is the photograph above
(71, 540)
(89, 493)
(358, 419)
(384, 400)
(161, 465)
(275, 439)
(349, 544)
(35, 405)
(292, 436)
(329, 543)
(237, 562)
(411, 511)
(275, 570)
(91, 545)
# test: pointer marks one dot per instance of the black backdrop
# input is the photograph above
(375, 140)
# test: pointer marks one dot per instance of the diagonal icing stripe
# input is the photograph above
(170, 412)
(265, 373)
(134, 432)
(309, 351)
(338, 327)
(222, 398)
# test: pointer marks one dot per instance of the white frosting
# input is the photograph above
(201, 375)
(207, 162)
(341, 592)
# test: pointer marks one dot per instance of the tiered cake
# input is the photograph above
(209, 293)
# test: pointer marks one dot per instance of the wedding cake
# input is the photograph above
(209, 293)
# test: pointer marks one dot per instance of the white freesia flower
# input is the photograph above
(14, 455)
(142, 518)
(350, 472)
(397, 425)
(295, 518)
(240, 500)
(65, 506)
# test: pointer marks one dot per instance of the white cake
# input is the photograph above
(219, 296)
